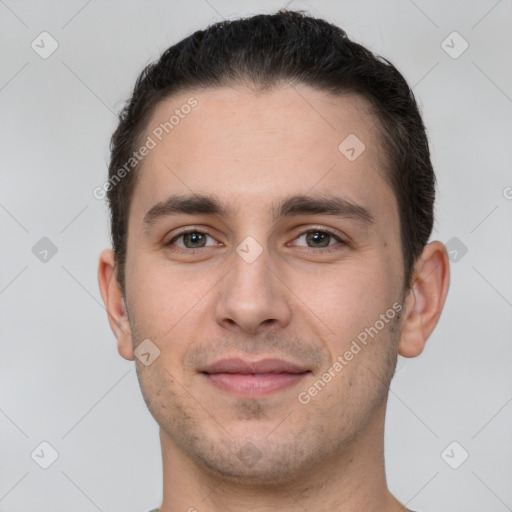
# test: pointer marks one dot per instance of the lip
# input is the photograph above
(253, 378)
(237, 365)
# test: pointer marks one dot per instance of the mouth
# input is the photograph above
(254, 378)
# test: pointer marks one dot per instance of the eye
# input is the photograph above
(313, 239)
(191, 240)
(318, 239)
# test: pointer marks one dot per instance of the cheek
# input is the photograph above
(170, 306)
(343, 302)
(157, 299)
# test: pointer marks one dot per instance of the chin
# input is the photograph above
(260, 463)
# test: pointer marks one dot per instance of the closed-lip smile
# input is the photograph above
(253, 378)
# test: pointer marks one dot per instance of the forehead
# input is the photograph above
(246, 146)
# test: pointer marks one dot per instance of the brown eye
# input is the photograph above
(318, 239)
(192, 240)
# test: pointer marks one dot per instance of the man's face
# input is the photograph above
(270, 278)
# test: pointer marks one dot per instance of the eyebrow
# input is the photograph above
(197, 204)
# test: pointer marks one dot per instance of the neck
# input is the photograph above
(350, 481)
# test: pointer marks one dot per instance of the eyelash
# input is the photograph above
(328, 249)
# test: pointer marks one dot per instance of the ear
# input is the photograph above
(114, 304)
(425, 299)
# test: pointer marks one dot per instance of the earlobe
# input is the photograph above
(115, 306)
(425, 299)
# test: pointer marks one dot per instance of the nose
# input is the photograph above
(253, 297)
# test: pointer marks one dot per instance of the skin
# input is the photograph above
(302, 304)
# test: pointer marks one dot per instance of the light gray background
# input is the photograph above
(62, 380)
